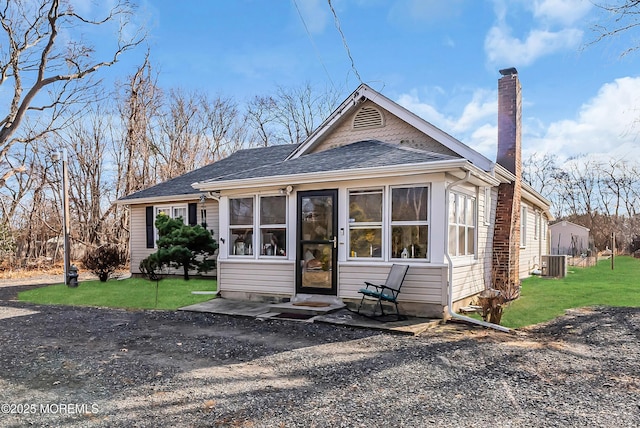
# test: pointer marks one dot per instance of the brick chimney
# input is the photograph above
(506, 235)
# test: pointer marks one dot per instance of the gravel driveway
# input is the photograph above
(80, 367)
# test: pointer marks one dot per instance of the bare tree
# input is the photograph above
(46, 74)
(32, 211)
(290, 115)
(260, 117)
(179, 142)
(226, 129)
(194, 130)
(620, 16)
(86, 144)
(138, 106)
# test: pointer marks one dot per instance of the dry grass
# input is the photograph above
(32, 273)
(46, 271)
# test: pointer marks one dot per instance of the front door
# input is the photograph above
(317, 253)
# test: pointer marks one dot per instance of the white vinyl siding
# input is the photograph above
(265, 277)
(423, 283)
(523, 226)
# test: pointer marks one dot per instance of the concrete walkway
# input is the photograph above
(332, 313)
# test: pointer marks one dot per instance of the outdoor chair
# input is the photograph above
(387, 292)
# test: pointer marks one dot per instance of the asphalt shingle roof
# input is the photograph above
(363, 154)
(241, 160)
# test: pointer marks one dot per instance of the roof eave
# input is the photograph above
(158, 199)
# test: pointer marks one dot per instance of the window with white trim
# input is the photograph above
(273, 226)
(487, 205)
(173, 211)
(409, 222)
(365, 223)
(536, 225)
(241, 226)
(523, 226)
(462, 224)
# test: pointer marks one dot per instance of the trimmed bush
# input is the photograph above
(104, 260)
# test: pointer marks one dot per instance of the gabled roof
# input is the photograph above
(241, 160)
(370, 157)
(364, 93)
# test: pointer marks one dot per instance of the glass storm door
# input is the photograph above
(317, 253)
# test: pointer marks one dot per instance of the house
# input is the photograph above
(374, 185)
(570, 239)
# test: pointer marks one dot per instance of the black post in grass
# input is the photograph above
(149, 268)
(613, 249)
(156, 277)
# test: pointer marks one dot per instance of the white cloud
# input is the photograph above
(565, 12)
(485, 140)
(503, 48)
(482, 106)
(475, 126)
(411, 102)
(606, 125)
(547, 27)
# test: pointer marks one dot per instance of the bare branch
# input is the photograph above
(33, 66)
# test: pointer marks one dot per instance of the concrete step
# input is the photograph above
(307, 307)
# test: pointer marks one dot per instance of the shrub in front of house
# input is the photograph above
(181, 246)
(104, 260)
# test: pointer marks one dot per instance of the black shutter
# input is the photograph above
(150, 234)
(193, 214)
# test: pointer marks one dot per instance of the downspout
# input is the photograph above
(450, 262)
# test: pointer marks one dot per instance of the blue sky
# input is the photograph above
(438, 58)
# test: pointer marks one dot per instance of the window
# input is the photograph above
(523, 226)
(241, 226)
(273, 226)
(536, 225)
(179, 211)
(173, 212)
(365, 223)
(409, 222)
(487, 205)
(462, 224)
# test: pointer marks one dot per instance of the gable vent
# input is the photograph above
(368, 117)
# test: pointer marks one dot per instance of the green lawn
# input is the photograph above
(543, 299)
(136, 293)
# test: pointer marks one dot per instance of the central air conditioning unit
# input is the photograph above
(554, 266)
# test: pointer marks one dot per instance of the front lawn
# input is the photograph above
(134, 293)
(543, 299)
